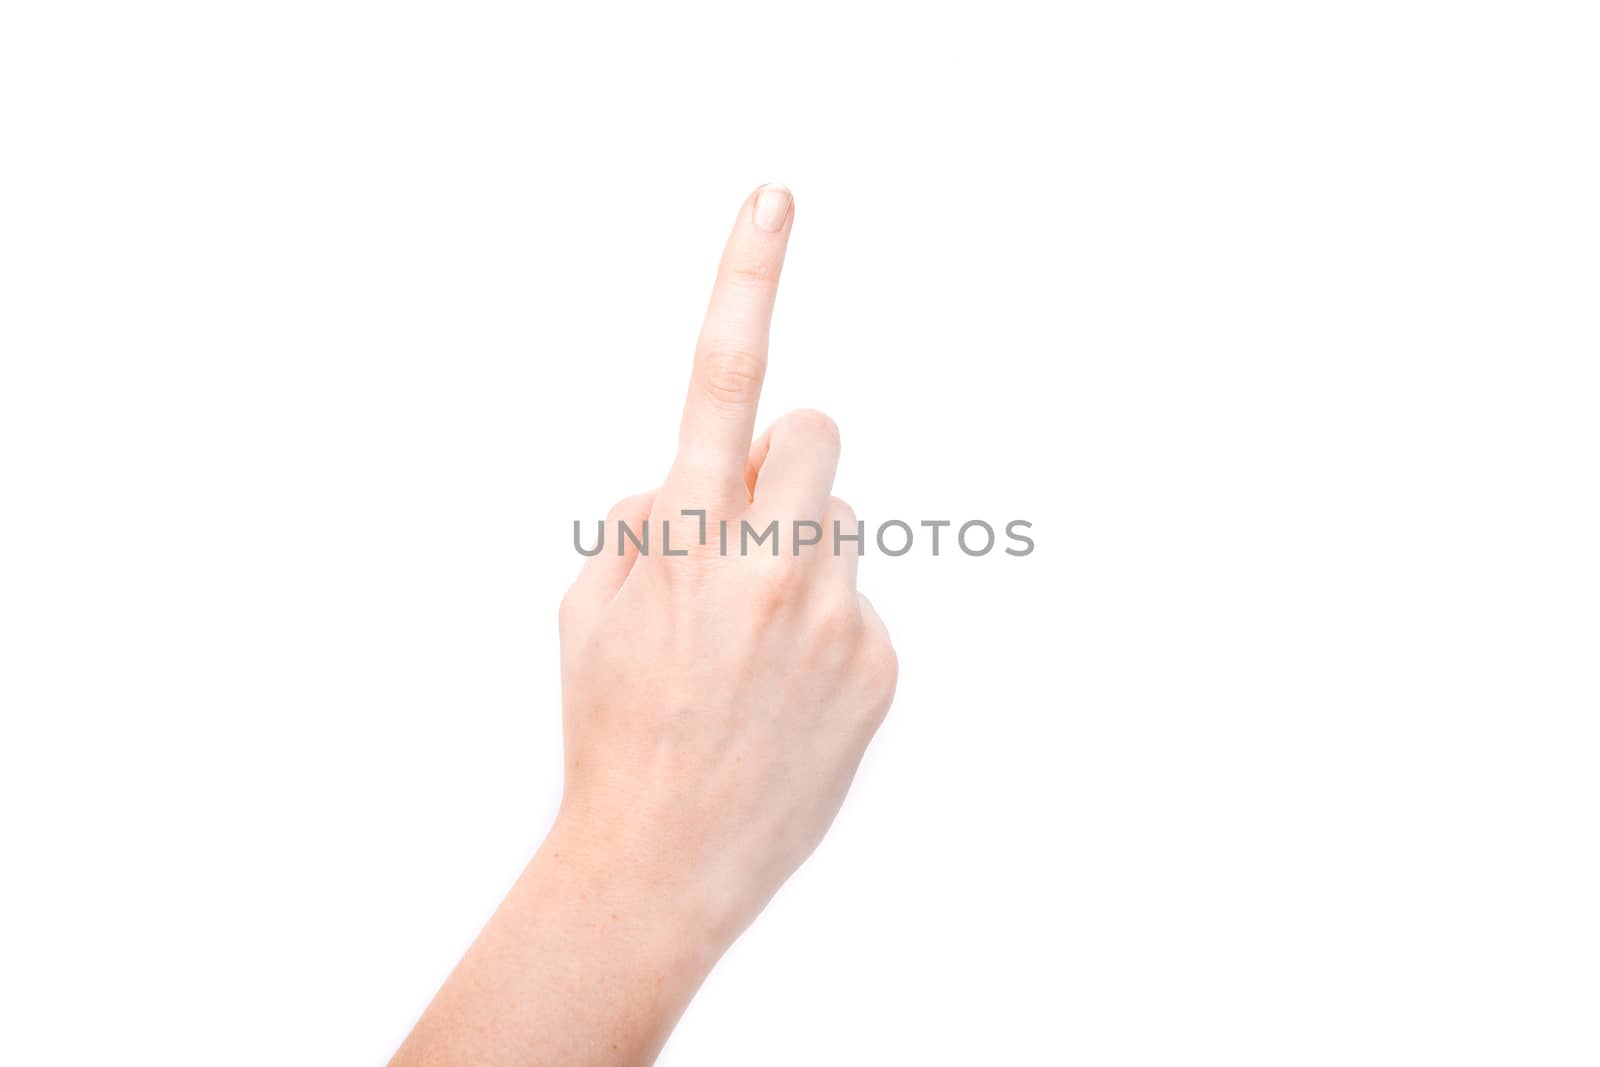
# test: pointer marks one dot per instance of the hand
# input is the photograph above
(717, 704)
(715, 709)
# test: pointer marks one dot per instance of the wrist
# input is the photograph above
(619, 874)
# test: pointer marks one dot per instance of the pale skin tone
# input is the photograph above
(715, 709)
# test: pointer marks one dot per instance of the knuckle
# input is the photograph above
(754, 273)
(813, 426)
(841, 512)
(839, 618)
(778, 581)
(567, 611)
(891, 667)
(882, 670)
(626, 508)
(733, 375)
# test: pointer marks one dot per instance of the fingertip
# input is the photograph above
(774, 204)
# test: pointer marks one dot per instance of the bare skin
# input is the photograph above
(715, 708)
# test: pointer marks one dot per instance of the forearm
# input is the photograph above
(590, 959)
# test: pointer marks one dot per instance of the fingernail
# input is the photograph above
(772, 207)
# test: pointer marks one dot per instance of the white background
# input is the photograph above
(320, 322)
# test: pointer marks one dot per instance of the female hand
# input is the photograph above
(716, 704)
